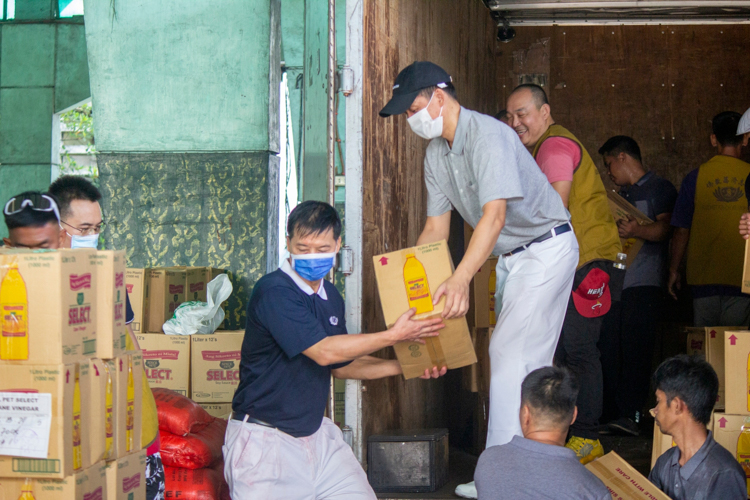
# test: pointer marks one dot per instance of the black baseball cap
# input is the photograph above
(413, 78)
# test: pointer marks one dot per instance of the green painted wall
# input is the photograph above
(43, 70)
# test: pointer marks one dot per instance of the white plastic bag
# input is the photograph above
(201, 317)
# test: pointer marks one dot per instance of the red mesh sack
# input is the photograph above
(178, 414)
(192, 484)
(194, 451)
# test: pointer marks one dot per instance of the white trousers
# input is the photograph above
(533, 289)
(261, 463)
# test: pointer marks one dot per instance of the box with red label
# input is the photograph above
(48, 305)
(215, 366)
(196, 283)
(126, 479)
(136, 282)
(165, 291)
(34, 390)
(88, 484)
(110, 277)
(166, 359)
(737, 372)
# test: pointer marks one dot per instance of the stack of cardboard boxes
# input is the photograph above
(70, 394)
(204, 368)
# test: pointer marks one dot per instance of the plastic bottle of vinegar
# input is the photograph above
(77, 461)
(417, 287)
(14, 307)
(108, 415)
(491, 290)
(743, 450)
(27, 491)
(130, 415)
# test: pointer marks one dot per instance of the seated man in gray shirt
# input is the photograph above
(697, 467)
(538, 465)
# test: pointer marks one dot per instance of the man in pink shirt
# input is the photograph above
(573, 174)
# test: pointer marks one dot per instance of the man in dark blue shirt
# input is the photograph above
(697, 467)
(278, 444)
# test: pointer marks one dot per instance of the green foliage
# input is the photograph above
(79, 124)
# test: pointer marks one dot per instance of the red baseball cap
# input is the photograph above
(592, 298)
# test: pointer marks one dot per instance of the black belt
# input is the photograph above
(564, 228)
(242, 417)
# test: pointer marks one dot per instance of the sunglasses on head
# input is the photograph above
(36, 201)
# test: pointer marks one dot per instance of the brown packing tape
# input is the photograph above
(435, 349)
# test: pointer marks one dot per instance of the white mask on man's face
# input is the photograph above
(424, 125)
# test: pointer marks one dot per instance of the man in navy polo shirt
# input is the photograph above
(278, 444)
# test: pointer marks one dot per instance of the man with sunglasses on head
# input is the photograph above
(80, 225)
(33, 219)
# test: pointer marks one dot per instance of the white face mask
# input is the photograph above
(423, 125)
(90, 241)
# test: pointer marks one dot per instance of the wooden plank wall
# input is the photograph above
(661, 85)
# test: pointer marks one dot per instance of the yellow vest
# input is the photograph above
(592, 220)
(149, 415)
(716, 250)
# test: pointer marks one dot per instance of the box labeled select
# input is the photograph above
(165, 291)
(88, 484)
(126, 477)
(166, 359)
(48, 305)
(215, 366)
(409, 278)
(110, 277)
(136, 283)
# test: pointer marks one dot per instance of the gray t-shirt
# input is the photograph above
(528, 469)
(711, 474)
(488, 162)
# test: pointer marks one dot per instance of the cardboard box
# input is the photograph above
(482, 296)
(127, 408)
(215, 366)
(110, 276)
(59, 381)
(89, 484)
(61, 291)
(622, 480)
(715, 356)
(222, 410)
(696, 341)
(165, 291)
(196, 284)
(126, 477)
(136, 284)
(166, 359)
(726, 429)
(453, 347)
(477, 375)
(95, 403)
(621, 210)
(736, 351)
(661, 443)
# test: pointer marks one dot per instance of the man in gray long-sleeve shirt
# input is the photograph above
(538, 465)
(697, 468)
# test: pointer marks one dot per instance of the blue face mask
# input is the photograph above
(313, 266)
(90, 241)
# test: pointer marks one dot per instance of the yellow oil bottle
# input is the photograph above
(417, 287)
(27, 491)
(491, 291)
(108, 416)
(130, 412)
(743, 450)
(77, 461)
(14, 307)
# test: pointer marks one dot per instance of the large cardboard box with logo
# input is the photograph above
(136, 284)
(736, 370)
(166, 359)
(696, 341)
(727, 429)
(88, 484)
(47, 306)
(165, 291)
(127, 377)
(409, 278)
(215, 366)
(622, 480)
(25, 389)
(126, 477)
(110, 276)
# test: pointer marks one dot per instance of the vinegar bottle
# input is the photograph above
(417, 287)
(130, 415)
(108, 415)
(27, 491)
(491, 291)
(77, 462)
(14, 307)
(743, 450)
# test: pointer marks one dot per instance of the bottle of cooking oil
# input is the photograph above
(491, 291)
(77, 461)
(130, 414)
(108, 415)
(27, 491)
(14, 307)
(743, 450)
(417, 287)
